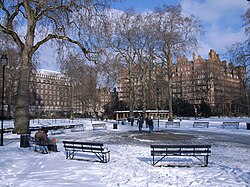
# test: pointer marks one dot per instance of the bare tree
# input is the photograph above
(175, 34)
(83, 75)
(239, 54)
(24, 20)
(122, 40)
(145, 46)
(246, 19)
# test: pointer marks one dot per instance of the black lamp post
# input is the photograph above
(4, 62)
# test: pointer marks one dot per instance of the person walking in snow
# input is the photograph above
(151, 124)
(132, 121)
(146, 120)
(140, 122)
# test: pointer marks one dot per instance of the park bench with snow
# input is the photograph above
(232, 124)
(73, 147)
(78, 128)
(57, 131)
(38, 146)
(172, 124)
(201, 124)
(96, 125)
(159, 152)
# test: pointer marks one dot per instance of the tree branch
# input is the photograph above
(66, 38)
(50, 9)
(8, 29)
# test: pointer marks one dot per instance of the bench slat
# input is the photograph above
(180, 152)
(83, 148)
(83, 143)
(180, 146)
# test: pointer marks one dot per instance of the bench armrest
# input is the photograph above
(106, 150)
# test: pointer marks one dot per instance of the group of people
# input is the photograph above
(149, 123)
(42, 136)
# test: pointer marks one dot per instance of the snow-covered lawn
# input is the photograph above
(130, 163)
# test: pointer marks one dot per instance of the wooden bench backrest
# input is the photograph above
(180, 150)
(201, 122)
(172, 122)
(231, 122)
(98, 124)
(180, 146)
(84, 146)
(82, 143)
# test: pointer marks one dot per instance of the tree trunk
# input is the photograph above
(170, 86)
(21, 124)
(143, 82)
(170, 99)
(131, 95)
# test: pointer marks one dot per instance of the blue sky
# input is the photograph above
(221, 20)
(142, 5)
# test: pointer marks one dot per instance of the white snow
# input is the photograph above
(130, 163)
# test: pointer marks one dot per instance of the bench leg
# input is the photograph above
(104, 157)
(67, 154)
(70, 154)
(206, 160)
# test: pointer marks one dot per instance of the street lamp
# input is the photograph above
(4, 62)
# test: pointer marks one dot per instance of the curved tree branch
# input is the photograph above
(66, 38)
(8, 29)
(53, 36)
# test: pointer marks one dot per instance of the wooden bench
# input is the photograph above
(173, 124)
(72, 148)
(232, 124)
(58, 131)
(159, 152)
(78, 128)
(99, 125)
(38, 146)
(201, 124)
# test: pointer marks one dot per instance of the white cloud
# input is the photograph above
(214, 10)
(47, 59)
(222, 22)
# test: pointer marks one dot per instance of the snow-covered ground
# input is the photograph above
(130, 163)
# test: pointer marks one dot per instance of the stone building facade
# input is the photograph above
(209, 80)
(54, 95)
(200, 80)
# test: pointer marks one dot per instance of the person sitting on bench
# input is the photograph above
(42, 136)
